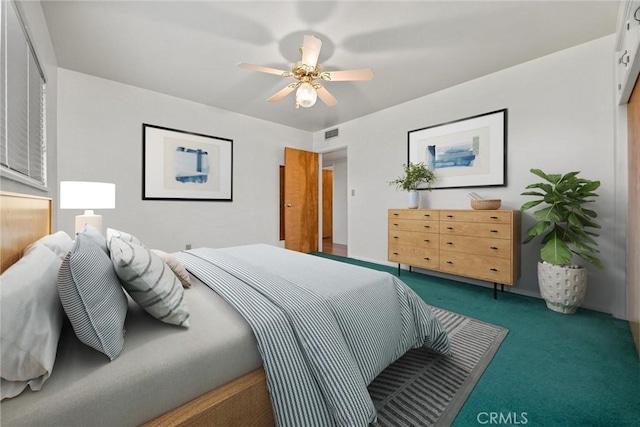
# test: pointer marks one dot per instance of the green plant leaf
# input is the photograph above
(537, 229)
(591, 259)
(545, 187)
(555, 251)
(540, 174)
(532, 193)
(529, 205)
(550, 214)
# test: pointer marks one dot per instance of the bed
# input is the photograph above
(213, 372)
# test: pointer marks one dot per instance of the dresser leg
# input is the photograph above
(495, 290)
(398, 270)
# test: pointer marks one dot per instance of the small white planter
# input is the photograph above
(562, 288)
(414, 199)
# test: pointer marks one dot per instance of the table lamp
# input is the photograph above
(87, 196)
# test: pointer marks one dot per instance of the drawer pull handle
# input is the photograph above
(427, 215)
(494, 269)
(449, 243)
(395, 253)
(427, 226)
(494, 248)
(449, 262)
(449, 228)
(494, 217)
(395, 237)
(449, 216)
(494, 231)
(395, 224)
(427, 258)
(427, 240)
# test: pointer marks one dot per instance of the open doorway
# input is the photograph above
(334, 202)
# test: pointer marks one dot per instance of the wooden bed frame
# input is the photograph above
(242, 402)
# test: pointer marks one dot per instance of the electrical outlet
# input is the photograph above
(187, 246)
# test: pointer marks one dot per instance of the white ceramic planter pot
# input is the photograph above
(414, 199)
(562, 288)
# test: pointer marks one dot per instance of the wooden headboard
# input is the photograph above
(24, 219)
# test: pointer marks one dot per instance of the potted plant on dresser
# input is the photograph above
(566, 226)
(415, 175)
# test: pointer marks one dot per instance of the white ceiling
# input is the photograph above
(190, 49)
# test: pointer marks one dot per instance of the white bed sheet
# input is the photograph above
(160, 368)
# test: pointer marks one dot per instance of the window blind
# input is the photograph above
(22, 144)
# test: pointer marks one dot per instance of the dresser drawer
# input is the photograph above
(413, 225)
(494, 217)
(414, 214)
(500, 248)
(422, 240)
(481, 267)
(414, 256)
(496, 231)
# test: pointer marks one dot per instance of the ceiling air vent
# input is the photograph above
(333, 133)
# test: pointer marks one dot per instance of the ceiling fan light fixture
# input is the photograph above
(306, 95)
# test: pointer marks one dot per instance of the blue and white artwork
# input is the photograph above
(192, 165)
(180, 165)
(469, 152)
(461, 154)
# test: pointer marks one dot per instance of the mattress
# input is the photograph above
(160, 368)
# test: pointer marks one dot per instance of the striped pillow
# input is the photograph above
(112, 232)
(149, 281)
(92, 297)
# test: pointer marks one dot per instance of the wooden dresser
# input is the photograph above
(480, 244)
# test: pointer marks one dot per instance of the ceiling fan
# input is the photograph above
(306, 72)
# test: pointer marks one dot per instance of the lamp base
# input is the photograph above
(89, 218)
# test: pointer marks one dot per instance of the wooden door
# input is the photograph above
(633, 221)
(301, 200)
(327, 203)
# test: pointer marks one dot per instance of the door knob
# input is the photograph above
(288, 205)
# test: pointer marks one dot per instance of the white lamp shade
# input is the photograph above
(87, 195)
(306, 95)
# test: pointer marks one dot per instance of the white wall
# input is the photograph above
(560, 118)
(100, 139)
(340, 201)
(37, 29)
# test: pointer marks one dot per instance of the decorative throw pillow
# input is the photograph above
(149, 281)
(112, 232)
(176, 266)
(60, 243)
(94, 234)
(30, 322)
(92, 297)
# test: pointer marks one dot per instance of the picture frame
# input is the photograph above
(469, 152)
(181, 165)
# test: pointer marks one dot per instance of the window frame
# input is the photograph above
(41, 180)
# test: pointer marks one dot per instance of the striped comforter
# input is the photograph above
(325, 329)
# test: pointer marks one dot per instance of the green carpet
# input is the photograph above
(551, 370)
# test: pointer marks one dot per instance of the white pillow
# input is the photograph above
(30, 321)
(149, 281)
(176, 266)
(112, 232)
(60, 243)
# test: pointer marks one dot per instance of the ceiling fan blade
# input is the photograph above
(262, 69)
(282, 93)
(347, 75)
(311, 50)
(326, 96)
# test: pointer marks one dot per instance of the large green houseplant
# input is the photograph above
(415, 175)
(566, 226)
